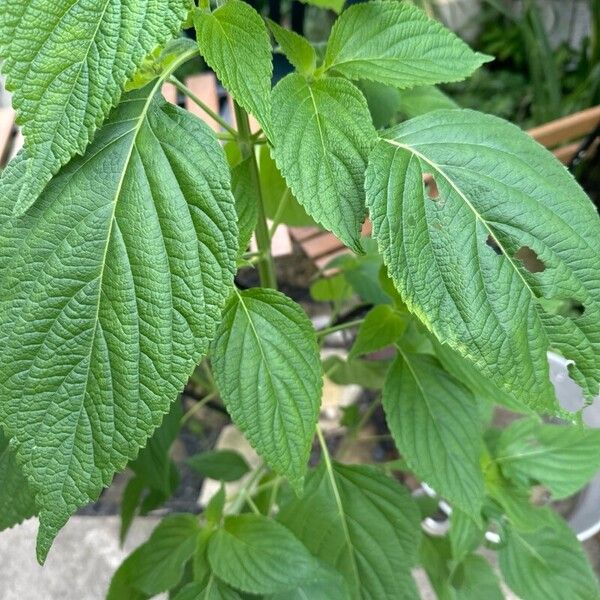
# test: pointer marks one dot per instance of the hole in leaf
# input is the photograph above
(493, 244)
(431, 186)
(530, 260)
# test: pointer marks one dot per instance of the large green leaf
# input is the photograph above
(397, 44)
(112, 288)
(547, 563)
(259, 556)
(322, 136)
(363, 524)
(17, 501)
(235, 43)
(267, 367)
(456, 251)
(157, 565)
(67, 63)
(562, 458)
(433, 419)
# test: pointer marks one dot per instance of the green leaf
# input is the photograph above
(330, 585)
(223, 465)
(381, 327)
(153, 464)
(468, 374)
(547, 563)
(366, 373)
(67, 65)
(112, 288)
(475, 579)
(465, 535)
(330, 289)
(17, 501)
(279, 202)
(296, 48)
(130, 502)
(246, 200)
(383, 101)
(433, 419)
(157, 565)
(259, 556)
(235, 43)
(322, 136)
(562, 458)
(397, 44)
(420, 100)
(267, 367)
(335, 5)
(214, 509)
(214, 590)
(496, 190)
(362, 523)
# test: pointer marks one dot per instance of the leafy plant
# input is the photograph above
(124, 221)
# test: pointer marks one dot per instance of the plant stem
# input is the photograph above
(239, 498)
(266, 269)
(280, 208)
(211, 113)
(329, 330)
(190, 413)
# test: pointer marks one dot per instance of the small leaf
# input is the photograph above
(157, 565)
(453, 249)
(330, 289)
(111, 291)
(363, 524)
(420, 100)
(17, 501)
(259, 556)
(235, 43)
(465, 535)
(547, 563)
(214, 590)
(563, 458)
(366, 373)
(246, 200)
(322, 136)
(381, 327)
(67, 66)
(214, 509)
(296, 48)
(129, 504)
(397, 44)
(433, 419)
(223, 465)
(267, 367)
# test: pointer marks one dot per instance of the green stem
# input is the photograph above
(341, 327)
(190, 413)
(280, 208)
(266, 268)
(211, 113)
(248, 487)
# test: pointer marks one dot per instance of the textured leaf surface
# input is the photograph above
(363, 524)
(112, 287)
(214, 590)
(547, 563)
(235, 43)
(322, 136)
(296, 48)
(329, 585)
(266, 363)
(493, 184)
(397, 44)
(17, 501)
(67, 63)
(259, 556)
(157, 565)
(562, 458)
(246, 201)
(433, 419)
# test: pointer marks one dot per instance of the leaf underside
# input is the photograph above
(455, 250)
(112, 288)
(67, 63)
